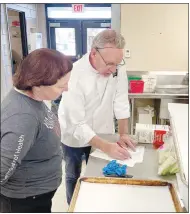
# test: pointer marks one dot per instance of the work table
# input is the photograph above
(148, 169)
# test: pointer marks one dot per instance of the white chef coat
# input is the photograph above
(89, 105)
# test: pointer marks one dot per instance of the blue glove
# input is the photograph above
(113, 168)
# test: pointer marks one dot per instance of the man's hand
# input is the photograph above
(127, 142)
(115, 151)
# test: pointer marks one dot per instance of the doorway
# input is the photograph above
(72, 33)
(18, 36)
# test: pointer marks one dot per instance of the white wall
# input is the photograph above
(6, 69)
(157, 36)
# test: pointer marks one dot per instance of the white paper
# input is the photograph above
(137, 156)
(95, 197)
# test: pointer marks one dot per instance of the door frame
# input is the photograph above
(85, 4)
(23, 30)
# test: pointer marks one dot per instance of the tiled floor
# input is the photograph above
(59, 200)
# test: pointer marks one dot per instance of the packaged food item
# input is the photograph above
(167, 159)
(155, 134)
(158, 138)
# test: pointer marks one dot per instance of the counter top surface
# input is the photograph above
(148, 169)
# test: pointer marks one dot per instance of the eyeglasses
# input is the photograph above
(108, 63)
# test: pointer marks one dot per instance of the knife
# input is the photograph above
(122, 176)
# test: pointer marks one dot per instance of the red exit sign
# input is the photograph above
(78, 8)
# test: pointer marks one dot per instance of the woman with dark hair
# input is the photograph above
(31, 153)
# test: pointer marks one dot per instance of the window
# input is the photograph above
(65, 41)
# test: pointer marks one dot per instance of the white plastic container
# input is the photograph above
(149, 83)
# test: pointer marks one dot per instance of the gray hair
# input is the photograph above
(108, 36)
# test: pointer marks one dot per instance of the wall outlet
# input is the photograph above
(127, 53)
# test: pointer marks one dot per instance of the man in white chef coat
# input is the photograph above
(98, 90)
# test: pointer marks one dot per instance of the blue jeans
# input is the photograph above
(73, 163)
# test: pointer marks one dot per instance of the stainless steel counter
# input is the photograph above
(148, 169)
(158, 96)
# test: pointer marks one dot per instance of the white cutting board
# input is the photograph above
(96, 197)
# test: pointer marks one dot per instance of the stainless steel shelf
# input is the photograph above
(158, 96)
